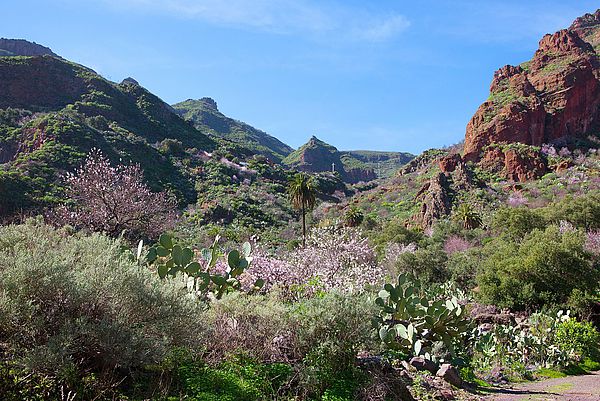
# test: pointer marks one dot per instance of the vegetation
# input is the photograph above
(302, 190)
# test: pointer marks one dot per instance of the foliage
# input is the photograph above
(77, 312)
(171, 259)
(335, 258)
(237, 379)
(542, 343)
(543, 269)
(467, 216)
(302, 190)
(353, 217)
(411, 322)
(516, 222)
(580, 337)
(114, 200)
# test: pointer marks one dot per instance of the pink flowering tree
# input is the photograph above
(335, 258)
(114, 200)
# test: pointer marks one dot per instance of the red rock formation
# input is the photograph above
(449, 163)
(555, 95)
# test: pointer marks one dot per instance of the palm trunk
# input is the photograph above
(303, 227)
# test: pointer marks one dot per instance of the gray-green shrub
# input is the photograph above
(73, 305)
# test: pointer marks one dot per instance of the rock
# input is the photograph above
(450, 374)
(423, 364)
(130, 81)
(437, 201)
(554, 96)
(449, 163)
(20, 47)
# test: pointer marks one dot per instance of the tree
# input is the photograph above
(467, 216)
(353, 216)
(114, 200)
(302, 190)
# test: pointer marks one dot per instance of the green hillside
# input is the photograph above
(55, 111)
(207, 118)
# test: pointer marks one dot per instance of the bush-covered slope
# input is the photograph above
(206, 117)
(52, 112)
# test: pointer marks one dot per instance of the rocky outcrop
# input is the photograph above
(515, 164)
(554, 96)
(436, 197)
(21, 47)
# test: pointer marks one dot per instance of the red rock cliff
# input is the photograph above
(555, 95)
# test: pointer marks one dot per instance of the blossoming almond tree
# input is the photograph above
(114, 200)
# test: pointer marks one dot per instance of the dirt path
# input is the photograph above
(572, 388)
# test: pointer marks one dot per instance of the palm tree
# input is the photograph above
(467, 216)
(302, 190)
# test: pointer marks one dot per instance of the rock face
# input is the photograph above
(20, 47)
(436, 196)
(554, 96)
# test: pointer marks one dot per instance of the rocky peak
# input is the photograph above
(21, 47)
(504, 73)
(586, 21)
(210, 103)
(555, 95)
(563, 41)
(130, 81)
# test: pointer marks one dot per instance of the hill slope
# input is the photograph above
(55, 111)
(207, 118)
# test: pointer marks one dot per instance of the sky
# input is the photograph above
(379, 75)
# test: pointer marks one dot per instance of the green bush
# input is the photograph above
(237, 379)
(581, 337)
(581, 211)
(330, 331)
(74, 307)
(428, 264)
(541, 271)
(516, 222)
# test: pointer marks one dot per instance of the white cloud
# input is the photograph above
(279, 16)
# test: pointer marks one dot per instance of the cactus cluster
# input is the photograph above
(412, 323)
(171, 259)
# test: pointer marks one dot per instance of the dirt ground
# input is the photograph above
(572, 388)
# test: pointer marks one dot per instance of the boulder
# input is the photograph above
(423, 364)
(450, 374)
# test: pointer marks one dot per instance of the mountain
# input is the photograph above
(553, 98)
(206, 117)
(53, 111)
(353, 166)
(21, 47)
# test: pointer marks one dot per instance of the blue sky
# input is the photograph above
(381, 75)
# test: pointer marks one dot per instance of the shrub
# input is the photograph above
(543, 270)
(428, 264)
(581, 211)
(516, 222)
(581, 337)
(74, 306)
(254, 325)
(331, 330)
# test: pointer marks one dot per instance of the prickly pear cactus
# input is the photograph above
(171, 259)
(410, 322)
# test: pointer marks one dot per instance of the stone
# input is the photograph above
(450, 374)
(423, 364)
(553, 97)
